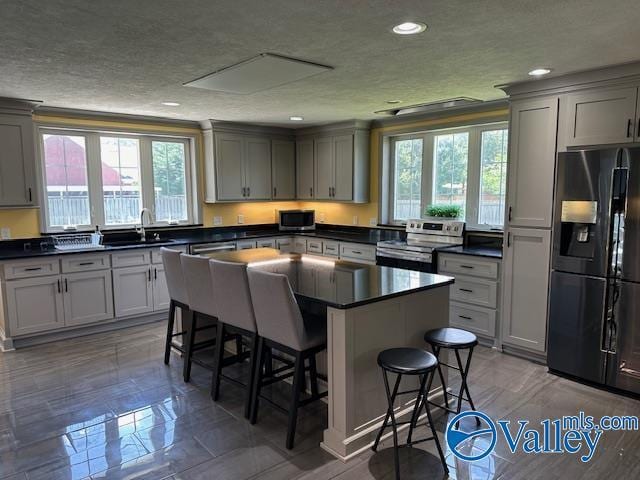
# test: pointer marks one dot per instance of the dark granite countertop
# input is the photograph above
(476, 250)
(14, 249)
(358, 284)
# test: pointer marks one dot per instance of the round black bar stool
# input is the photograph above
(408, 361)
(454, 339)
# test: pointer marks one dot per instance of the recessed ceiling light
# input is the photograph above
(539, 71)
(296, 118)
(393, 102)
(171, 104)
(409, 28)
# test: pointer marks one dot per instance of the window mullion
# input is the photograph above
(427, 172)
(146, 176)
(94, 169)
(473, 176)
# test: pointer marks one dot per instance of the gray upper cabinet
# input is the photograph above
(250, 162)
(532, 154)
(304, 169)
(17, 155)
(283, 169)
(600, 117)
(257, 168)
(323, 174)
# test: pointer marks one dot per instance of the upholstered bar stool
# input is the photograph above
(408, 361)
(235, 317)
(454, 339)
(179, 299)
(202, 305)
(281, 327)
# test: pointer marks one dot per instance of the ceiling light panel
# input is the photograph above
(259, 73)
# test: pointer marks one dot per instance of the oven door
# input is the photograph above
(404, 260)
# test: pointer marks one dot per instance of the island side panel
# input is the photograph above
(357, 400)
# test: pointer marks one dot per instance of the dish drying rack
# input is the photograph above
(77, 241)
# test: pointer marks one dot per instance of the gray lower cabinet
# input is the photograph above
(526, 283)
(283, 169)
(133, 290)
(17, 159)
(34, 305)
(161, 298)
(88, 297)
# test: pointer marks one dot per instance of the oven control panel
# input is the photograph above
(451, 228)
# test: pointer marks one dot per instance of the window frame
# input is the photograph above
(474, 170)
(94, 173)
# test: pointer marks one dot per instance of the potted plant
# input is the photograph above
(444, 211)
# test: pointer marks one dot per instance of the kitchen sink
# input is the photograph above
(148, 241)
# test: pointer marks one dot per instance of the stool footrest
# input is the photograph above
(453, 367)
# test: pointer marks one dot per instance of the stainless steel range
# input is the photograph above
(423, 237)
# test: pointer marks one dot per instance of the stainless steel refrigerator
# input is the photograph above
(594, 316)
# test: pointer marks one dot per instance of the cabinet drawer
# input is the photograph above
(314, 246)
(85, 263)
(467, 265)
(32, 268)
(300, 245)
(356, 251)
(156, 254)
(331, 249)
(475, 319)
(130, 258)
(266, 243)
(245, 244)
(483, 293)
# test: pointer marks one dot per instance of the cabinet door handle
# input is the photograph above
(629, 122)
(311, 191)
(155, 273)
(510, 209)
(149, 274)
(638, 126)
(466, 290)
(275, 192)
(30, 197)
(465, 317)
(467, 266)
(84, 264)
(32, 269)
(508, 239)
(356, 252)
(66, 285)
(59, 289)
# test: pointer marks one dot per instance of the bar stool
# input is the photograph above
(236, 317)
(178, 299)
(408, 361)
(454, 339)
(200, 292)
(282, 327)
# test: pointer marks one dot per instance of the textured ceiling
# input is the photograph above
(128, 56)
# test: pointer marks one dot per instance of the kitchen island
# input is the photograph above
(368, 308)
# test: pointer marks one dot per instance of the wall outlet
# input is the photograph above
(355, 220)
(217, 221)
(240, 219)
(321, 217)
(373, 221)
(5, 233)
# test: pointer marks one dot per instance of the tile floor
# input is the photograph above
(106, 407)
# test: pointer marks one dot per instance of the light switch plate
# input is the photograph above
(373, 221)
(321, 217)
(5, 233)
(217, 221)
(355, 220)
(240, 219)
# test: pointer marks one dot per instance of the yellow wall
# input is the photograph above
(25, 222)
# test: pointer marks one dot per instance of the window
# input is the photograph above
(66, 180)
(493, 176)
(95, 178)
(463, 166)
(408, 178)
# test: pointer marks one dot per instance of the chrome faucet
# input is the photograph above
(140, 230)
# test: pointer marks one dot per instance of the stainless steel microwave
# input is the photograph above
(297, 220)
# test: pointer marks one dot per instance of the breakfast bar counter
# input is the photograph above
(368, 308)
